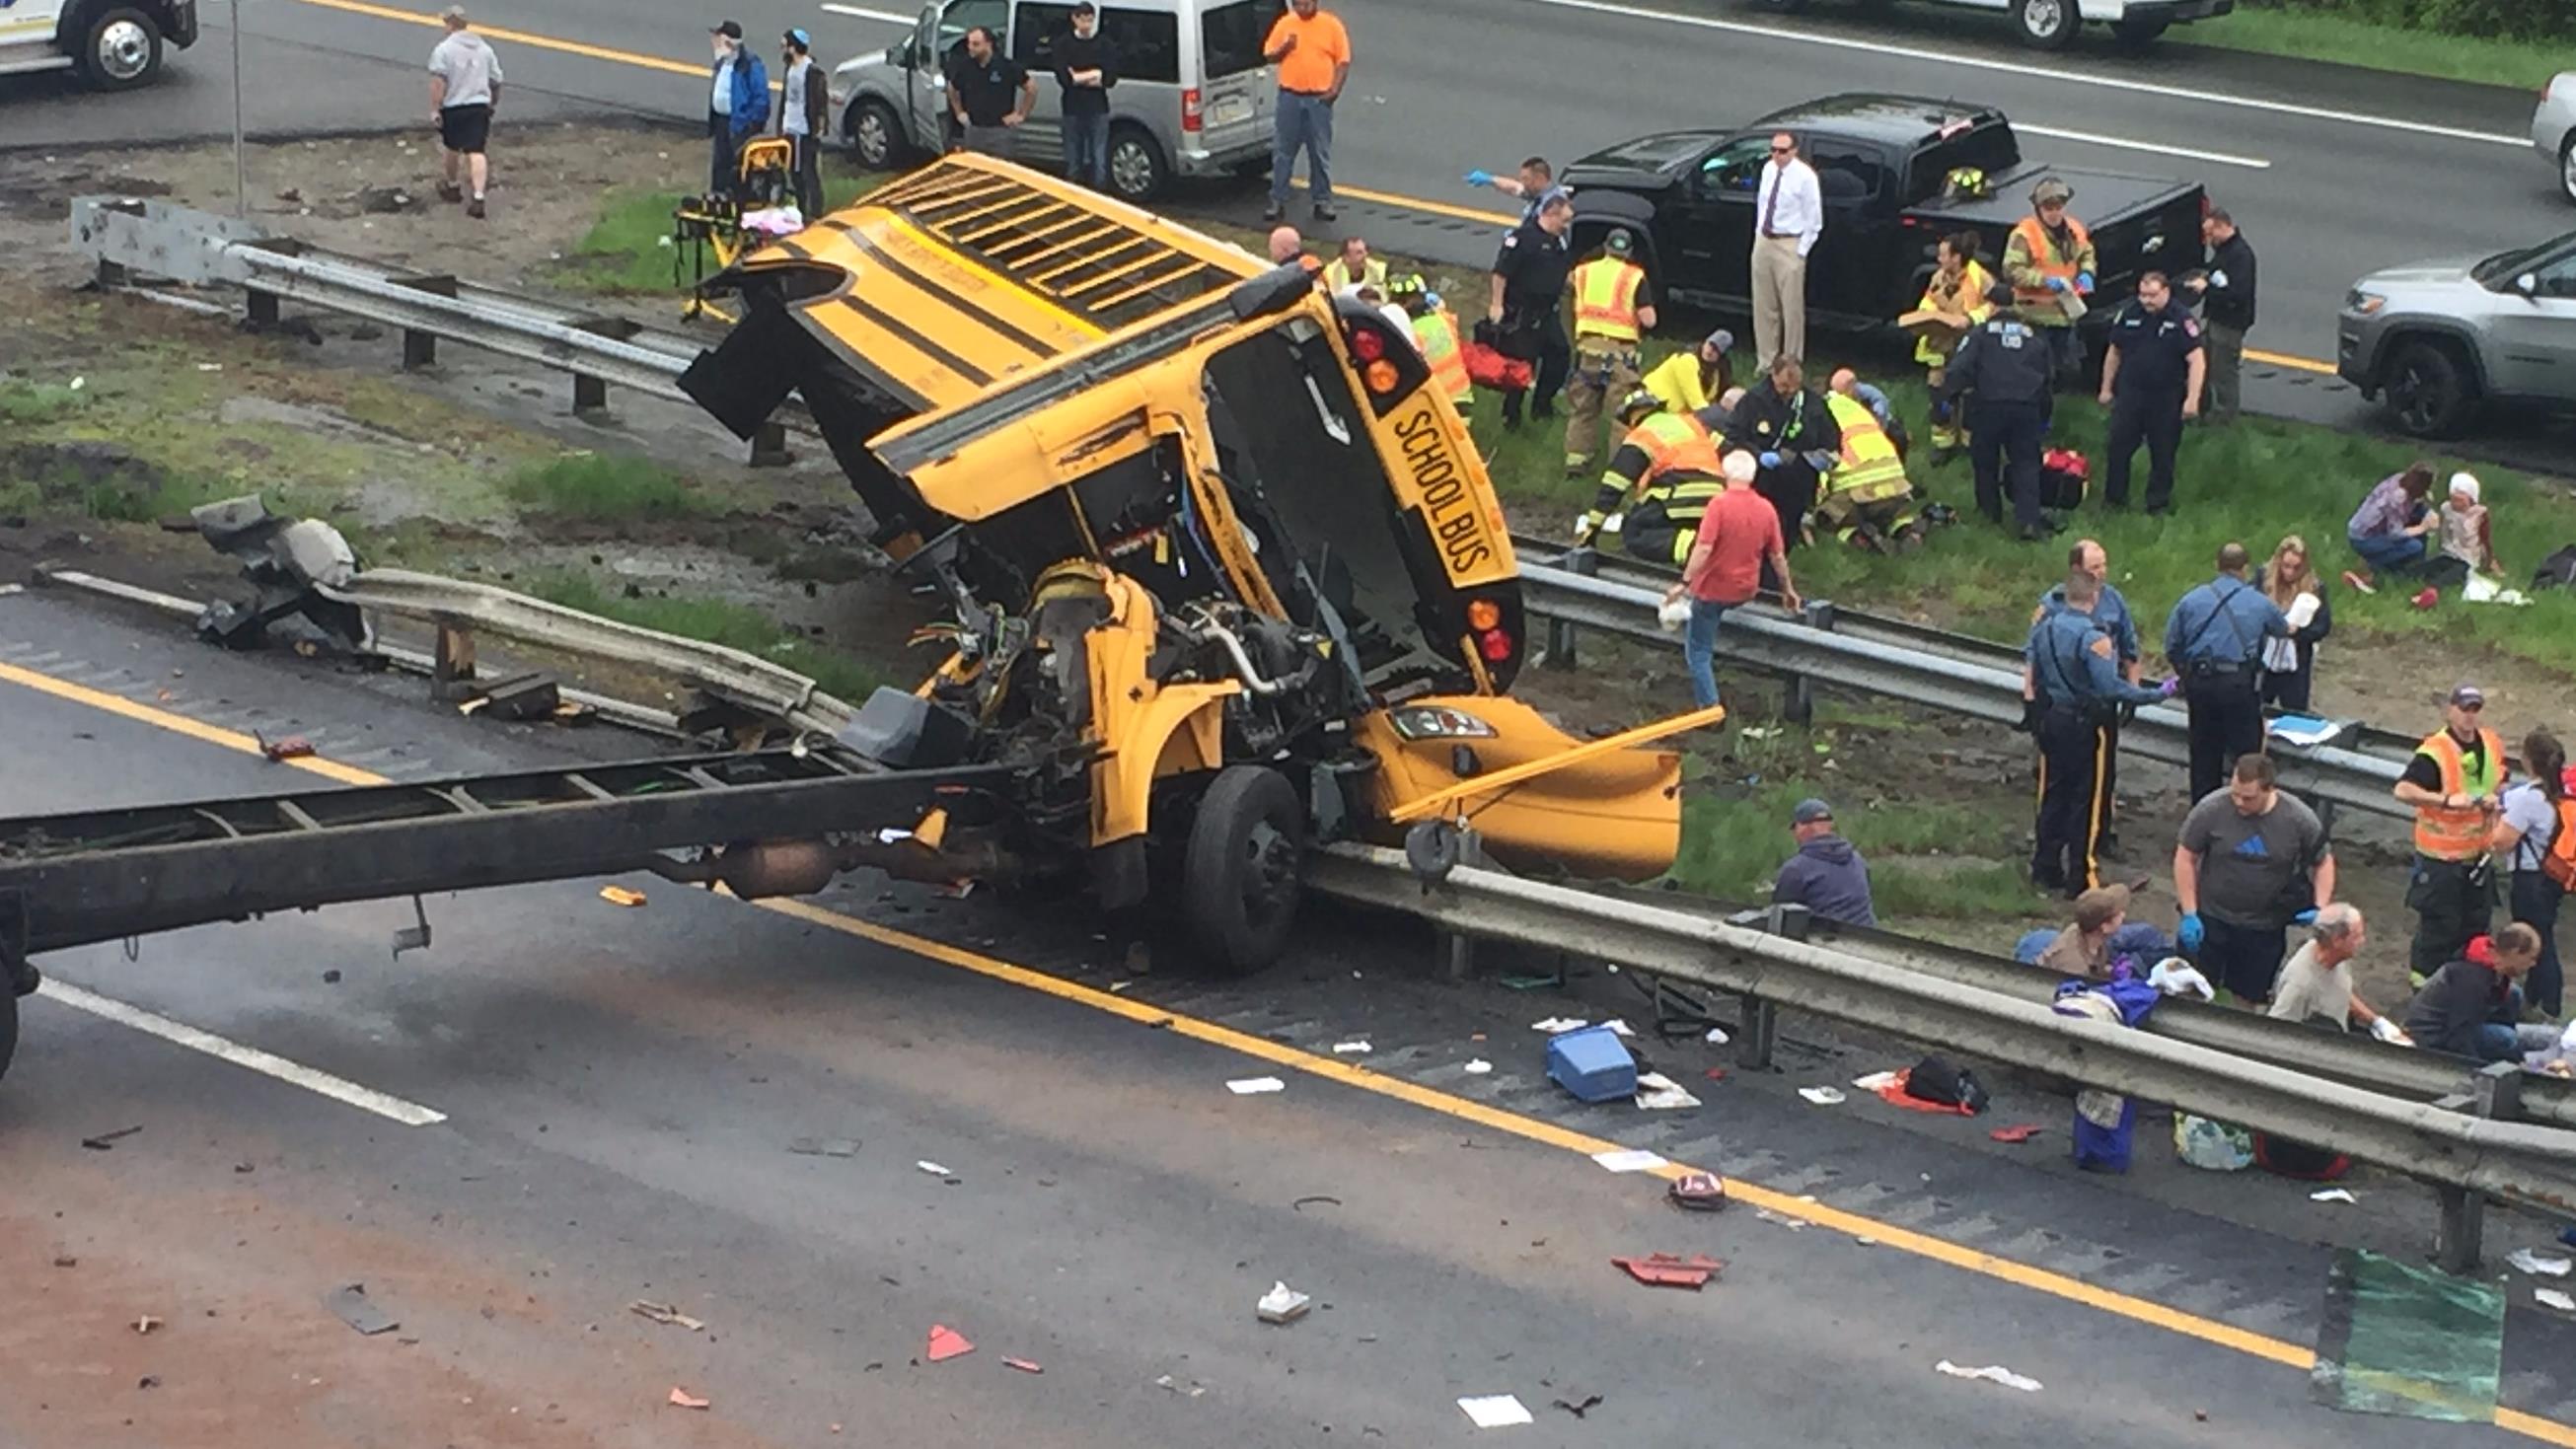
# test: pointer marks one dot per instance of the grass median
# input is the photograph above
(2308, 32)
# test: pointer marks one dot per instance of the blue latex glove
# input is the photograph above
(1769, 460)
(2057, 284)
(1480, 178)
(2170, 686)
(2189, 935)
(2084, 281)
(2307, 917)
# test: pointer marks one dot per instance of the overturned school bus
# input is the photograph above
(1227, 574)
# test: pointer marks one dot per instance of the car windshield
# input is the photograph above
(2504, 265)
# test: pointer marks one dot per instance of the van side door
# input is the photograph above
(940, 35)
(1035, 24)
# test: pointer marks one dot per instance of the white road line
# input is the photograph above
(861, 12)
(2022, 69)
(338, 1089)
(2089, 138)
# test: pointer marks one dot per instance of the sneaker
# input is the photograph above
(2355, 582)
(474, 208)
(1326, 213)
(2427, 599)
(1273, 212)
(450, 191)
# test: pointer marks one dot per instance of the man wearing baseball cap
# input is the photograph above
(1826, 876)
(804, 117)
(2050, 262)
(737, 105)
(2453, 782)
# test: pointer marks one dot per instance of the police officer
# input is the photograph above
(2073, 664)
(2151, 382)
(2113, 615)
(2214, 640)
(2004, 365)
(1528, 291)
(1610, 314)
(1658, 483)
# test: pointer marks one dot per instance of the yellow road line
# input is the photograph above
(2283, 359)
(178, 724)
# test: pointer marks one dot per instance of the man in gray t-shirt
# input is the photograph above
(2249, 861)
(464, 86)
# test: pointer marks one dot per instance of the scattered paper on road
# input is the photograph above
(663, 1313)
(1618, 1026)
(2531, 1262)
(933, 1168)
(1632, 1159)
(1352, 1049)
(945, 1343)
(1991, 1373)
(682, 1399)
(1496, 1411)
(1657, 1092)
(1876, 1081)
(1715, 1036)
(1251, 1086)
(621, 896)
(1282, 1304)
(2020, 1132)
(1559, 1025)
(357, 1311)
(1822, 1096)
(1479, 1067)
(2333, 1194)
(2552, 1298)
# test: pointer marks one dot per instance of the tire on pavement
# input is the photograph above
(2429, 389)
(875, 134)
(2047, 24)
(1243, 868)
(2567, 167)
(1138, 171)
(120, 48)
(8, 1027)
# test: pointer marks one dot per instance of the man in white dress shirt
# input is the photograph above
(1788, 216)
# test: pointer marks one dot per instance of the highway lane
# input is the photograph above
(620, 1088)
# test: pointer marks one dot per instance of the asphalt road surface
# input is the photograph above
(606, 1101)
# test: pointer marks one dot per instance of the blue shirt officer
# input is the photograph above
(2214, 640)
(2111, 613)
(2078, 691)
(2151, 377)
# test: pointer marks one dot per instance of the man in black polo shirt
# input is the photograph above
(989, 94)
(1086, 68)
(2226, 291)
(2150, 381)
(1527, 299)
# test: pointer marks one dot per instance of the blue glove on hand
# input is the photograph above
(2170, 686)
(1480, 178)
(2084, 281)
(2057, 284)
(2189, 935)
(1769, 460)
(2307, 917)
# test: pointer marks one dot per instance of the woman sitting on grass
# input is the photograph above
(2290, 662)
(2468, 538)
(2388, 529)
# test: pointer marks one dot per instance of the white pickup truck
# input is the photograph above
(114, 44)
(2052, 24)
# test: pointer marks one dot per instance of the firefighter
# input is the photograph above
(2074, 667)
(1610, 314)
(2050, 262)
(1867, 499)
(1436, 333)
(1658, 483)
(1956, 291)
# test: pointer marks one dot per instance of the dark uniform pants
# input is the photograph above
(1998, 431)
(2452, 900)
(2245, 960)
(2226, 722)
(1537, 337)
(2074, 752)
(2223, 387)
(1791, 491)
(2155, 418)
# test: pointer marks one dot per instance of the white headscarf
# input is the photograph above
(2465, 483)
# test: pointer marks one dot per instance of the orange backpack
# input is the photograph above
(2560, 863)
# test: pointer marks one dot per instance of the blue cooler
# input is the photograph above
(1593, 1064)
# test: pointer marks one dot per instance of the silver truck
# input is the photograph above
(2437, 341)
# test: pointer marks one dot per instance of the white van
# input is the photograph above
(114, 44)
(1193, 98)
(2053, 24)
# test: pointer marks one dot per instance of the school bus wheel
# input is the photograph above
(1244, 868)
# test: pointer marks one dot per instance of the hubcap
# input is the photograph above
(874, 143)
(1131, 170)
(2043, 17)
(124, 49)
(2414, 398)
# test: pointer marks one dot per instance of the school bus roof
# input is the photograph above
(972, 269)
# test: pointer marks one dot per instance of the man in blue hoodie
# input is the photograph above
(1826, 876)
(737, 106)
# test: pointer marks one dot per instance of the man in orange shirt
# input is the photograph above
(1737, 535)
(1313, 54)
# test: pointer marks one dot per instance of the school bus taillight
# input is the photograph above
(1381, 376)
(1496, 645)
(1483, 615)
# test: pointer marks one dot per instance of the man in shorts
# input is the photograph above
(464, 85)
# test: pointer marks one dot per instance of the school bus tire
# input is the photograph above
(1243, 869)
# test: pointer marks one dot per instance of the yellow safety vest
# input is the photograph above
(2048, 261)
(1337, 276)
(1676, 382)
(1438, 338)
(1605, 298)
(1968, 299)
(1870, 469)
(2442, 833)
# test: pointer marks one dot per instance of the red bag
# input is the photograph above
(2065, 476)
(1487, 367)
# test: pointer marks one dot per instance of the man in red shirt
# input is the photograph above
(1738, 533)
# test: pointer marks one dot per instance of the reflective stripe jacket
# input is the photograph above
(1605, 298)
(1870, 469)
(2442, 833)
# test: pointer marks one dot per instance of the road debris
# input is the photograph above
(682, 1399)
(1663, 1270)
(66, 1260)
(148, 1381)
(2020, 1132)
(146, 1323)
(1658, 1093)
(1716, 1036)
(284, 747)
(1254, 1086)
(1193, 1389)
(1578, 1407)
(1478, 1067)
(1822, 1096)
(1592, 1064)
(2333, 1194)
(1300, 1204)
(933, 1168)
(1557, 1025)
(1282, 1304)
(1991, 1373)
(1795, 1225)
(1629, 1159)
(1618, 1025)
(2531, 1262)
(621, 896)
(1702, 1192)
(1495, 1411)
(1877, 1081)
(1352, 1048)
(824, 1146)
(106, 1141)
(2553, 1298)
(1025, 1366)
(946, 1343)
(664, 1313)
(358, 1311)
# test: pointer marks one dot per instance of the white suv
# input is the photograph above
(2553, 129)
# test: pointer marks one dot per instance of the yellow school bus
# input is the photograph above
(1225, 574)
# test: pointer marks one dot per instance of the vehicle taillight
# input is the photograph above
(1496, 645)
(1366, 345)
(1484, 614)
(1380, 376)
(1191, 117)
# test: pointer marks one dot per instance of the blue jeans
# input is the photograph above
(2396, 553)
(1306, 122)
(1086, 150)
(2507, 1040)
(1699, 649)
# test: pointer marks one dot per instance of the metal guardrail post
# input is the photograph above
(1757, 1032)
(262, 314)
(769, 446)
(590, 393)
(1798, 705)
(2459, 1239)
(1584, 560)
(451, 669)
(420, 347)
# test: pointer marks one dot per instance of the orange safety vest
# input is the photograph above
(1870, 469)
(1670, 441)
(2045, 258)
(1605, 298)
(1438, 338)
(2442, 833)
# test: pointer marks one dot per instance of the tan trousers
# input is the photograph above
(1605, 372)
(1779, 299)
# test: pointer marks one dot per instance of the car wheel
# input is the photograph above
(121, 49)
(1243, 869)
(2429, 391)
(1137, 170)
(876, 135)
(2047, 24)
(2139, 34)
(2567, 166)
